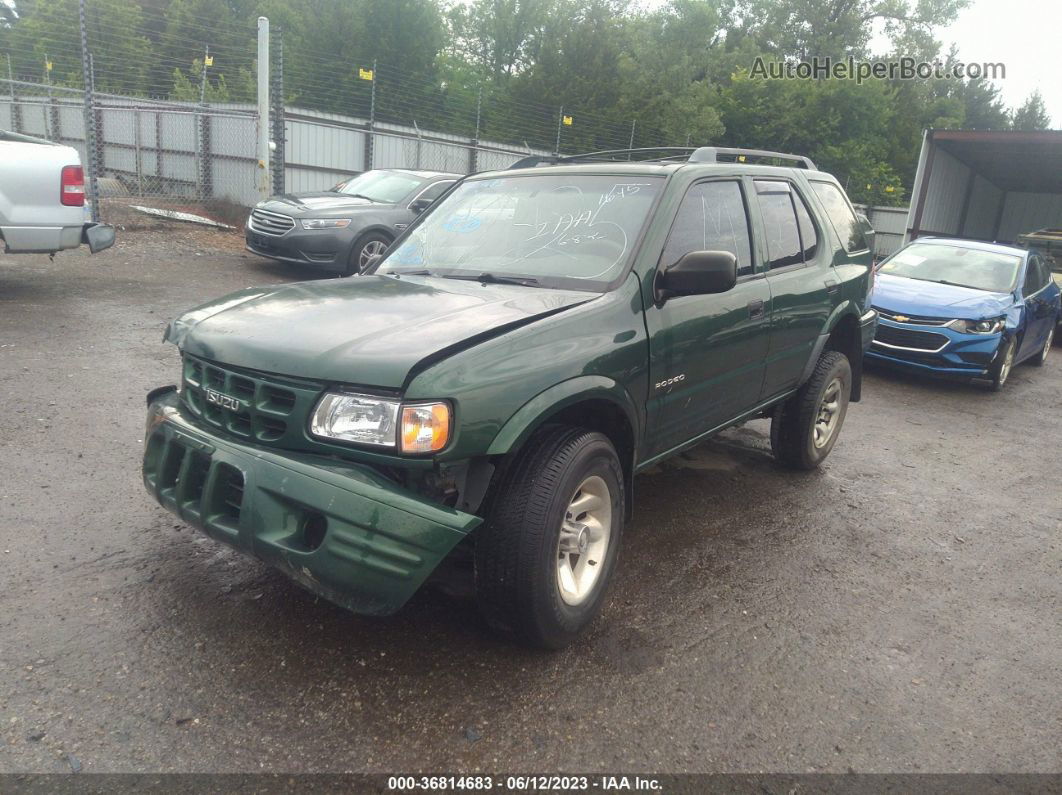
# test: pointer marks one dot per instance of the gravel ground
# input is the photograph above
(898, 610)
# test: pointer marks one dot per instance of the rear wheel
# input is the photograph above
(1004, 363)
(365, 251)
(805, 427)
(549, 546)
(1041, 359)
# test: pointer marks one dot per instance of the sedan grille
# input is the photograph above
(893, 337)
(271, 223)
(917, 320)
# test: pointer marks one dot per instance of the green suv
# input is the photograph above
(488, 390)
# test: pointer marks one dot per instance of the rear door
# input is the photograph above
(803, 288)
(707, 351)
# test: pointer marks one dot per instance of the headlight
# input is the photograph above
(356, 418)
(366, 419)
(324, 223)
(991, 326)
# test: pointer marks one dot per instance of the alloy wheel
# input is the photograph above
(370, 252)
(583, 540)
(828, 414)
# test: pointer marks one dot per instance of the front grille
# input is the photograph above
(917, 320)
(909, 338)
(271, 223)
(253, 406)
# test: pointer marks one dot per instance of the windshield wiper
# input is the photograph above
(409, 272)
(360, 196)
(492, 278)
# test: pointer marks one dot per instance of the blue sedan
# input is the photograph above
(963, 308)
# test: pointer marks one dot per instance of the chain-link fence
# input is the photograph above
(177, 137)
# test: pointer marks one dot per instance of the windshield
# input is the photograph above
(964, 267)
(571, 231)
(380, 186)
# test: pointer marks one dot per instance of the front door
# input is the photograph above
(707, 351)
(1040, 303)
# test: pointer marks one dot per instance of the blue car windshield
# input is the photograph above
(571, 231)
(956, 265)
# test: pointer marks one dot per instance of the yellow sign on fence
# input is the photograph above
(365, 74)
(209, 60)
(567, 121)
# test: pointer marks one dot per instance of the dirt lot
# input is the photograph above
(898, 610)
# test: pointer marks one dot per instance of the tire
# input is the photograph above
(362, 252)
(1003, 365)
(800, 436)
(521, 551)
(1041, 358)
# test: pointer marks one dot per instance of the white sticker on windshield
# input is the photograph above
(907, 258)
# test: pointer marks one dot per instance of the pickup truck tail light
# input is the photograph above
(72, 186)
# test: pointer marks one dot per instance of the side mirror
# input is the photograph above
(697, 273)
(420, 205)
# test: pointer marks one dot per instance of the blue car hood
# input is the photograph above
(931, 299)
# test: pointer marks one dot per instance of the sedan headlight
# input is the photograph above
(324, 223)
(382, 422)
(990, 326)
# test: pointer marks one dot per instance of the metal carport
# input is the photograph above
(986, 185)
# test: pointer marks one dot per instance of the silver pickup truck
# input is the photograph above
(42, 199)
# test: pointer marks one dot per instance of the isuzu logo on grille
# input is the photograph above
(226, 402)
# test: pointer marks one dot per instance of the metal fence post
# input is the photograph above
(201, 164)
(278, 114)
(262, 171)
(419, 141)
(370, 139)
(139, 153)
(473, 159)
(16, 109)
(90, 115)
(560, 121)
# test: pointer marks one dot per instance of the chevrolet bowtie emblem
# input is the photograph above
(900, 318)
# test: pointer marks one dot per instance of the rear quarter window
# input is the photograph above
(841, 215)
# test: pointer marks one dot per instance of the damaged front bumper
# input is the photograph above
(341, 530)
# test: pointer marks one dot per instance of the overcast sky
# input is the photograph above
(1026, 36)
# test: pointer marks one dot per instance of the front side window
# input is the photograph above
(958, 266)
(388, 187)
(779, 224)
(841, 215)
(712, 217)
(569, 231)
(434, 192)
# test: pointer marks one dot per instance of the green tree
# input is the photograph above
(1032, 115)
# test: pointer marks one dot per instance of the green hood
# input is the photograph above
(368, 330)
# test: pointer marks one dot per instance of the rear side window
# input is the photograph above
(841, 216)
(712, 217)
(809, 238)
(779, 224)
(1036, 276)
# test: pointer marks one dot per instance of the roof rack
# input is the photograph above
(671, 154)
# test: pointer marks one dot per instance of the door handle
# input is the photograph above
(756, 309)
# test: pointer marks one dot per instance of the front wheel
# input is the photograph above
(1004, 363)
(365, 251)
(550, 543)
(805, 427)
